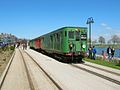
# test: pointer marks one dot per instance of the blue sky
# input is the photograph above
(32, 18)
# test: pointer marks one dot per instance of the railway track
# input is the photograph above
(70, 77)
(111, 72)
(2, 78)
(29, 60)
(98, 74)
(28, 74)
(43, 71)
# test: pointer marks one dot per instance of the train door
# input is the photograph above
(72, 44)
(51, 41)
(77, 40)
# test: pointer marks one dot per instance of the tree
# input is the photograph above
(115, 39)
(101, 40)
(109, 41)
(94, 42)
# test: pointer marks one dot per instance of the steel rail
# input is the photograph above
(111, 72)
(56, 84)
(28, 74)
(6, 70)
(97, 74)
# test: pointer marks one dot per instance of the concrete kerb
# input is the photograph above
(2, 77)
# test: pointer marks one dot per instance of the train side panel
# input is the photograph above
(37, 43)
(31, 43)
(52, 42)
(67, 42)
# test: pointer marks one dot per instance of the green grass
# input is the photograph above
(7, 48)
(99, 61)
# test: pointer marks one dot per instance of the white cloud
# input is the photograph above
(118, 34)
(106, 31)
(103, 24)
(108, 28)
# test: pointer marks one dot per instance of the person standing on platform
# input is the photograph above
(112, 52)
(109, 53)
(90, 52)
(94, 52)
(103, 55)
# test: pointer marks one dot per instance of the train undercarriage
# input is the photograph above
(65, 57)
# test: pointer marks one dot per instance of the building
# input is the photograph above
(7, 38)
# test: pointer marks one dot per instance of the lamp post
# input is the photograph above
(90, 21)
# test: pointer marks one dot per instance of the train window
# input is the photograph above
(43, 39)
(65, 33)
(83, 37)
(77, 35)
(51, 37)
(58, 37)
(71, 34)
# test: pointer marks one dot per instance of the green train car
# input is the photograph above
(67, 43)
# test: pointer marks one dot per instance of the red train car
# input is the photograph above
(37, 43)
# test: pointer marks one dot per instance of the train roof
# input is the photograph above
(59, 30)
(70, 27)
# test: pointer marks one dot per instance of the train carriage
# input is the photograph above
(68, 43)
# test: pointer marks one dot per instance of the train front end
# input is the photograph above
(75, 42)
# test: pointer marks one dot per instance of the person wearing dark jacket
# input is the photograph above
(112, 52)
(109, 53)
(90, 52)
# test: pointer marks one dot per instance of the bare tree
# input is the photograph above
(101, 40)
(109, 41)
(94, 42)
(115, 39)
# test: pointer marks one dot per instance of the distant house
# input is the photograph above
(1, 42)
(7, 38)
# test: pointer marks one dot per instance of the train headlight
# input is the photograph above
(70, 45)
(83, 46)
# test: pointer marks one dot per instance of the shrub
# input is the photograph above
(11, 47)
